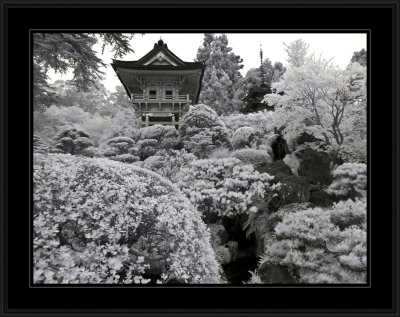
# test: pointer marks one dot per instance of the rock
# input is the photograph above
(315, 166)
(219, 236)
(320, 198)
(222, 254)
(351, 193)
(157, 267)
(234, 226)
(279, 148)
(278, 169)
(275, 274)
(305, 137)
(71, 234)
(233, 247)
(294, 189)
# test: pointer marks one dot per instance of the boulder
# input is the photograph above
(315, 166)
(306, 138)
(275, 274)
(234, 226)
(219, 236)
(294, 189)
(278, 169)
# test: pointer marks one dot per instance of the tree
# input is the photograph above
(322, 100)
(360, 57)
(202, 131)
(73, 141)
(222, 79)
(297, 52)
(64, 51)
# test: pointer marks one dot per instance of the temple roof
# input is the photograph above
(159, 58)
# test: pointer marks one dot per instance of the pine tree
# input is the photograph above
(64, 51)
(222, 79)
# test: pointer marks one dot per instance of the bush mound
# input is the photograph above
(322, 245)
(226, 187)
(102, 221)
(348, 176)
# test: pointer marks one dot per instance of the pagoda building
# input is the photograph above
(253, 101)
(160, 85)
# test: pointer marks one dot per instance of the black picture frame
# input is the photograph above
(380, 19)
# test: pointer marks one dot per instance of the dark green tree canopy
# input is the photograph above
(62, 52)
(360, 57)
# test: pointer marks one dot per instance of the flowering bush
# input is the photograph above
(261, 121)
(168, 163)
(322, 246)
(226, 187)
(348, 176)
(101, 221)
(252, 156)
(121, 149)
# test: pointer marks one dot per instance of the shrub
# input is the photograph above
(154, 138)
(243, 137)
(322, 246)
(168, 163)
(202, 131)
(252, 156)
(101, 221)
(348, 176)
(226, 187)
(121, 149)
(72, 141)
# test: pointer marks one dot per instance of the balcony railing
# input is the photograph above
(151, 98)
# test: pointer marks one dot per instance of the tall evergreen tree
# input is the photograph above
(222, 79)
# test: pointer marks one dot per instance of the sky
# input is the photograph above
(339, 46)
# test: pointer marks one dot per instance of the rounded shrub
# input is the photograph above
(102, 221)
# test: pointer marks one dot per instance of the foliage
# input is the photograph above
(72, 141)
(202, 131)
(261, 121)
(252, 156)
(40, 145)
(297, 52)
(272, 73)
(95, 221)
(226, 187)
(62, 52)
(154, 138)
(102, 115)
(243, 137)
(322, 245)
(168, 163)
(322, 100)
(221, 79)
(348, 176)
(121, 149)
(360, 57)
